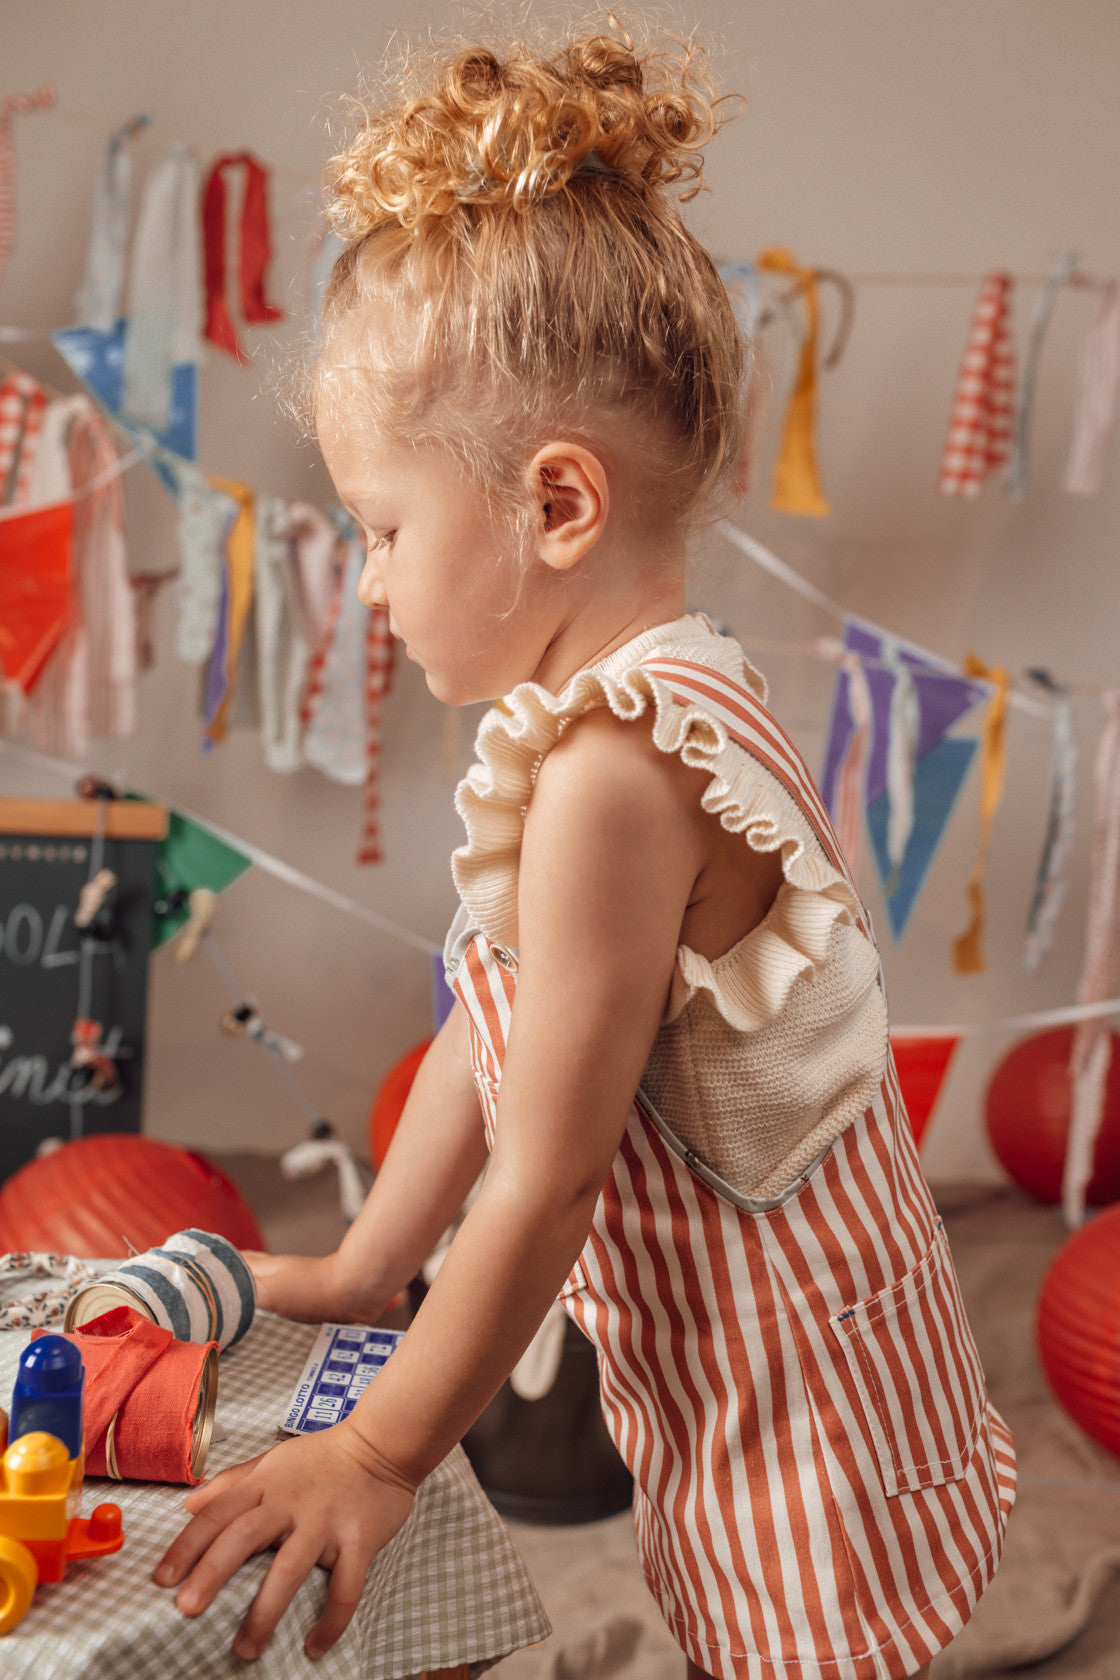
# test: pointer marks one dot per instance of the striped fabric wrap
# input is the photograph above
(822, 1485)
(196, 1285)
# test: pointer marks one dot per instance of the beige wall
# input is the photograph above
(879, 136)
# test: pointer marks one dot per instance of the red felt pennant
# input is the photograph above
(922, 1064)
(254, 256)
(36, 563)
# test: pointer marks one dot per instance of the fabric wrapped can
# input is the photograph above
(196, 1285)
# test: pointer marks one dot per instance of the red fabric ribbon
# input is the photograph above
(255, 251)
(138, 1375)
(36, 563)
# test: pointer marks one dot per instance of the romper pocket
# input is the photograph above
(913, 1359)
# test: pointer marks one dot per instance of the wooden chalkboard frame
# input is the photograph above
(46, 848)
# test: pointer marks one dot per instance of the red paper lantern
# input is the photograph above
(101, 1194)
(1027, 1113)
(1078, 1328)
(390, 1100)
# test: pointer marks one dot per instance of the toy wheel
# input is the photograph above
(19, 1576)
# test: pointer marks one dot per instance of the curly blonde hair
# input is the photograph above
(516, 268)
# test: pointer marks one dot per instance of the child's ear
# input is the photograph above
(569, 487)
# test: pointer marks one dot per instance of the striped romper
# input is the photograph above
(821, 1484)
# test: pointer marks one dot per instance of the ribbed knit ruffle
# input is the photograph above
(751, 982)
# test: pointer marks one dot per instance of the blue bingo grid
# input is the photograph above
(342, 1363)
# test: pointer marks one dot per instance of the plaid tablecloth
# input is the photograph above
(449, 1589)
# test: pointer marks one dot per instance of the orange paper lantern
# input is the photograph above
(1078, 1328)
(117, 1193)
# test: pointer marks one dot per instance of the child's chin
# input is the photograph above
(452, 693)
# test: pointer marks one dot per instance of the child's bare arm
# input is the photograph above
(606, 871)
(437, 1152)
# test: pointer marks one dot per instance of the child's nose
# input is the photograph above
(371, 590)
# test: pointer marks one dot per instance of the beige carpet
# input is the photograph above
(1054, 1609)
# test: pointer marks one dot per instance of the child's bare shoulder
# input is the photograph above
(605, 758)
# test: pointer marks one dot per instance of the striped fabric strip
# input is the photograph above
(982, 419)
(15, 105)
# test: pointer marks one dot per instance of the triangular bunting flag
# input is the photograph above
(934, 768)
(98, 360)
(191, 856)
(921, 1064)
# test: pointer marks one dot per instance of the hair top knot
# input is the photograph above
(511, 129)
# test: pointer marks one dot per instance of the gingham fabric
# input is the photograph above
(449, 1589)
(983, 416)
(22, 401)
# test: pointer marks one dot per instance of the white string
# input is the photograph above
(123, 464)
(769, 562)
(274, 866)
(316, 889)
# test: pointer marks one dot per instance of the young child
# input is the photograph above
(670, 1032)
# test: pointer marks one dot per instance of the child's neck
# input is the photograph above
(607, 620)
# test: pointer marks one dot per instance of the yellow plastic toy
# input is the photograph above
(40, 1529)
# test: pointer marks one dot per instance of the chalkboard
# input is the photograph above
(51, 971)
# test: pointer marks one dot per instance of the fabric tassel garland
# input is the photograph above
(22, 405)
(1097, 383)
(235, 601)
(979, 437)
(1053, 870)
(99, 298)
(164, 302)
(1091, 1051)
(1017, 471)
(255, 251)
(797, 487)
(349, 675)
(206, 518)
(15, 105)
(902, 756)
(283, 650)
(88, 686)
(850, 775)
(968, 949)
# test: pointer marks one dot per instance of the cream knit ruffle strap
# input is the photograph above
(516, 734)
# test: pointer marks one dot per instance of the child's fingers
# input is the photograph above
(287, 1572)
(193, 1541)
(223, 1554)
(348, 1578)
(199, 1497)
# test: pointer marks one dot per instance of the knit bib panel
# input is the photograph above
(768, 1052)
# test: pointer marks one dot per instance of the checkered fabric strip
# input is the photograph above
(22, 401)
(449, 1589)
(983, 416)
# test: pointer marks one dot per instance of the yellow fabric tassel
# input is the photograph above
(968, 952)
(240, 550)
(797, 487)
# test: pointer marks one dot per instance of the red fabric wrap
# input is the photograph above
(138, 1373)
(255, 251)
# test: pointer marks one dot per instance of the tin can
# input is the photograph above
(98, 1298)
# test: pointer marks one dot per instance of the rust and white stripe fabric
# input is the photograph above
(822, 1485)
(983, 416)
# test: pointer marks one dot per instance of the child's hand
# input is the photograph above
(322, 1498)
(305, 1287)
